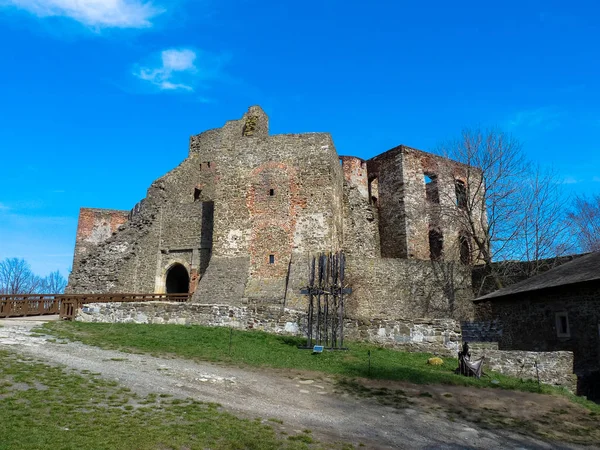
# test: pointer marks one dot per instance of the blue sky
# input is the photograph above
(98, 98)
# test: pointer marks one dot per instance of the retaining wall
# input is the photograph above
(438, 336)
(554, 368)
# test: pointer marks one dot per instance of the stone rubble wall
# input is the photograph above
(554, 368)
(438, 336)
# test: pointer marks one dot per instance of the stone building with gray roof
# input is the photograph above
(556, 310)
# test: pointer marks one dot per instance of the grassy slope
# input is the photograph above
(255, 348)
(44, 407)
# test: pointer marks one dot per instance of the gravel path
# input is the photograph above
(300, 403)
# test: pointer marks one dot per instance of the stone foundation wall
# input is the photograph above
(438, 336)
(555, 368)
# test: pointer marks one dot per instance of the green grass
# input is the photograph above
(259, 349)
(46, 407)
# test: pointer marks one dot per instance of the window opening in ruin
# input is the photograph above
(562, 325)
(208, 164)
(465, 249)
(436, 245)
(197, 194)
(461, 193)
(271, 192)
(178, 280)
(374, 190)
(200, 165)
(431, 188)
(271, 259)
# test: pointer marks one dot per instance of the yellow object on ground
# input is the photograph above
(435, 361)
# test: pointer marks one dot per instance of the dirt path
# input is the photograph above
(299, 402)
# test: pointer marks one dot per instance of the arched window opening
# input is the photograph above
(178, 280)
(436, 245)
(461, 193)
(465, 249)
(431, 188)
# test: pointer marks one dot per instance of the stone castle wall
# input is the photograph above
(438, 336)
(404, 288)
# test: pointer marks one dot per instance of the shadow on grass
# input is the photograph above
(292, 341)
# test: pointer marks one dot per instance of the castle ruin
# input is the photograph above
(238, 220)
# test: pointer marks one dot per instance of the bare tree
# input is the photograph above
(16, 277)
(544, 233)
(584, 220)
(510, 211)
(54, 283)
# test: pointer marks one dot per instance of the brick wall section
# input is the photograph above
(387, 169)
(406, 214)
(94, 227)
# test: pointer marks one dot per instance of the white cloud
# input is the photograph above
(175, 64)
(182, 70)
(93, 13)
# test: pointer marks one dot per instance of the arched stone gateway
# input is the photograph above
(178, 280)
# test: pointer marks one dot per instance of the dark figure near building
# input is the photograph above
(467, 367)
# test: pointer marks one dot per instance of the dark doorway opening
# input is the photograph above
(178, 280)
(436, 245)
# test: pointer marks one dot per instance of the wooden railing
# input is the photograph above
(28, 305)
(66, 305)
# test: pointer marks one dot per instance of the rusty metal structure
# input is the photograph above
(325, 290)
(67, 305)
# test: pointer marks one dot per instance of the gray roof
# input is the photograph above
(585, 268)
